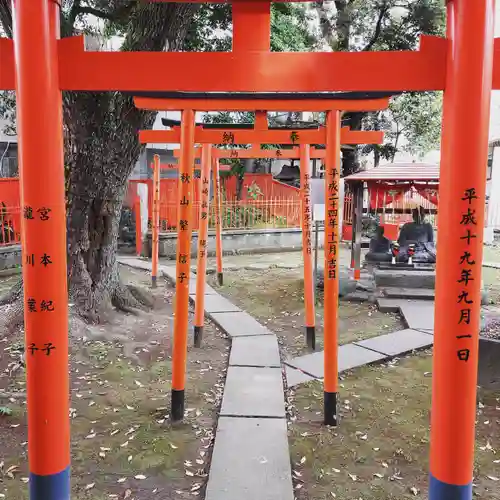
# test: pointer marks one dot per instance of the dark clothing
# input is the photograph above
(412, 232)
(380, 245)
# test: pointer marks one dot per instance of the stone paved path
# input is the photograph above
(251, 458)
(418, 316)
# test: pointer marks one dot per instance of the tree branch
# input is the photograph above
(116, 15)
(378, 28)
(6, 17)
(73, 13)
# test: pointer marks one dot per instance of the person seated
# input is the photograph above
(419, 233)
(380, 247)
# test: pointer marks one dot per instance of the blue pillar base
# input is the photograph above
(444, 491)
(52, 487)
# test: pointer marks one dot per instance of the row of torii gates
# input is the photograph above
(39, 66)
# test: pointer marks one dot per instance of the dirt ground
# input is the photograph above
(123, 445)
(380, 449)
(276, 298)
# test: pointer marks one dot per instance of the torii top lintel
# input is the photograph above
(250, 67)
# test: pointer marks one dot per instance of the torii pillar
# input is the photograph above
(460, 236)
(39, 119)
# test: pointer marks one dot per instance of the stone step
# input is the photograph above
(409, 293)
(403, 278)
(388, 305)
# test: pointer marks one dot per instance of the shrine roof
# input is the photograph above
(403, 172)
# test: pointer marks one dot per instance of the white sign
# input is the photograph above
(319, 212)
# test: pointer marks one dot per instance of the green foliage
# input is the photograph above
(416, 117)
(254, 192)
(210, 30)
(289, 28)
(5, 411)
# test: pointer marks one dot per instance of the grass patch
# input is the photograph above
(380, 449)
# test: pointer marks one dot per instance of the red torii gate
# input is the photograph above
(257, 134)
(465, 65)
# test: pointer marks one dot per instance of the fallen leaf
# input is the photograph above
(121, 480)
(353, 476)
(89, 486)
(140, 476)
(493, 478)
(376, 474)
(189, 473)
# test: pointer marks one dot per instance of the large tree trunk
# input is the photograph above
(101, 149)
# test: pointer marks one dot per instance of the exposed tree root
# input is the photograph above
(14, 315)
(125, 298)
(15, 293)
(131, 299)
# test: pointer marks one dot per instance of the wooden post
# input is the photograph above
(251, 25)
(331, 288)
(155, 222)
(358, 208)
(39, 119)
(138, 227)
(460, 236)
(183, 266)
(305, 185)
(201, 268)
(218, 222)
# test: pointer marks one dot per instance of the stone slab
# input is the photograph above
(409, 293)
(136, 263)
(296, 377)
(350, 356)
(388, 305)
(253, 392)
(357, 296)
(251, 460)
(401, 342)
(261, 351)
(239, 324)
(404, 278)
(428, 331)
(312, 364)
(216, 303)
(418, 314)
